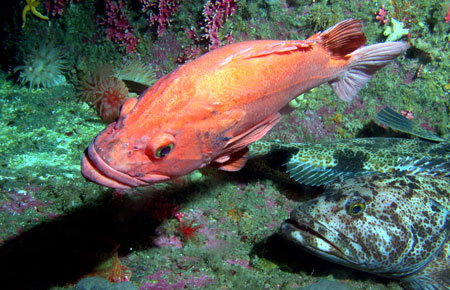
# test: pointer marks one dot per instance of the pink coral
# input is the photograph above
(17, 203)
(381, 16)
(216, 12)
(118, 29)
(408, 114)
(447, 16)
(167, 280)
(165, 9)
(241, 262)
(56, 7)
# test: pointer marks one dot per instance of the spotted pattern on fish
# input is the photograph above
(391, 224)
(322, 163)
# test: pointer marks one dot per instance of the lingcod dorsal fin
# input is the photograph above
(397, 121)
(425, 165)
(313, 174)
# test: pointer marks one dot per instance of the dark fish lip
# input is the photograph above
(290, 225)
(95, 169)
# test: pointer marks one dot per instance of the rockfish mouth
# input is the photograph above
(97, 170)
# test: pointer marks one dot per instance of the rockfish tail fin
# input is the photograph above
(363, 63)
(345, 40)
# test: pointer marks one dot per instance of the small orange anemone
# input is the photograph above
(103, 91)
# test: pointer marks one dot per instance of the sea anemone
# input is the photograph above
(43, 67)
(104, 89)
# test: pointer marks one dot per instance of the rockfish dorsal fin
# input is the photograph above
(343, 38)
(268, 49)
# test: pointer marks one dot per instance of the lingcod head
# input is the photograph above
(387, 224)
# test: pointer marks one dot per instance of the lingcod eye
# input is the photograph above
(356, 207)
(164, 151)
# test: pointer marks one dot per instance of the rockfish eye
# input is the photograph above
(163, 151)
(160, 146)
(356, 206)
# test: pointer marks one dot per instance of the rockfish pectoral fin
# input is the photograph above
(363, 63)
(236, 152)
(252, 134)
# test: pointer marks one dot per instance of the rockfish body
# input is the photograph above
(208, 111)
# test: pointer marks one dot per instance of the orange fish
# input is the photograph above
(207, 111)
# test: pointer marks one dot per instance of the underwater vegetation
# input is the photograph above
(61, 79)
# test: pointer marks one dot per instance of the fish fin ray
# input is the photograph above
(315, 175)
(342, 38)
(252, 134)
(233, 157)
(135, 87)
(363, 63)
(278, 47)
(234, 162)
(425, 166)
(397, 121)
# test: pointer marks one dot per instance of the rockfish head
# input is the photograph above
(144, 147)
(389, 225)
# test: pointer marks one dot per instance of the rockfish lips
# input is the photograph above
(209, 110)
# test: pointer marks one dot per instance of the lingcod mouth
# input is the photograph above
(294, 226)
(304, 234)
(95, 169)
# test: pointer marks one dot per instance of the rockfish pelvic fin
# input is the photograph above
(236, 148)
(363, 63)
(234, 162)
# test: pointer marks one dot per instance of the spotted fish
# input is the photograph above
(390, 224)
(321, 163)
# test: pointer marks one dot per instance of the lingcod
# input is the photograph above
(394, 225)
(321, 163)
